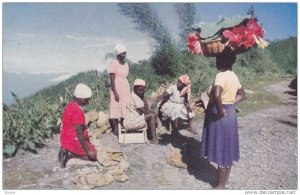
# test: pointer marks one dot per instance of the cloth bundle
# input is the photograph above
(101, 121)
(112, 167)
(174, 157)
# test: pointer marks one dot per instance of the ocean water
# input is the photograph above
(26, 84)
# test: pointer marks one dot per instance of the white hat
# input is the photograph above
(82, 91)
(120, 49)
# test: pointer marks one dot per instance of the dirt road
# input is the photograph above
(268, 147)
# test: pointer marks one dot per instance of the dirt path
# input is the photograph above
(268, 147)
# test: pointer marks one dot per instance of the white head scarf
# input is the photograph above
(139, 82)
(82, 91)
(120, 49)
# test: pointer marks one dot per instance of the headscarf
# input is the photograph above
(120, 49)
(82, 91)
(186, 80)
(139, 82)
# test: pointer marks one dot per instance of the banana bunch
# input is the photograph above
(260, 42)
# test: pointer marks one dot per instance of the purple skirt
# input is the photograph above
(220, 140)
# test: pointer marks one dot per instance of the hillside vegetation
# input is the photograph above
(30, 121)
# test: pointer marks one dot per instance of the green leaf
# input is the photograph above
(31, 145)
(9, 149)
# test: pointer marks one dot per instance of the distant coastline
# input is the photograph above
(26, 84)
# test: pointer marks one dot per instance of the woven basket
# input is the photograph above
(217, 46)
(213, 47)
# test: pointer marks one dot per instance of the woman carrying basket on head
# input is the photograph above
(220, 141)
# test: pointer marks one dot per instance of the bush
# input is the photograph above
(27, 124)
(284, 54)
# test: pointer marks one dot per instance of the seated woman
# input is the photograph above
(175, 105)
(138, 113)
(74, 138)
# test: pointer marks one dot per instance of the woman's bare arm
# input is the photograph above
(216, 93)
(112, 77)
(240, 95)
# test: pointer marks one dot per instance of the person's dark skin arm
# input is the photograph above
(79, 133)
(240, 95)
(144, 109)
(165, 95)
(112, 77)
(186, 103)
(216, 92)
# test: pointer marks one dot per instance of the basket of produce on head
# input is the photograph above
(239, 34)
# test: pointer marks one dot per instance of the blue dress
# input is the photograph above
(220, 140)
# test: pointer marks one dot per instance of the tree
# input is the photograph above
(147, 20)
(186, 15)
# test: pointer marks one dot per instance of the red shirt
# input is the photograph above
(73, 115)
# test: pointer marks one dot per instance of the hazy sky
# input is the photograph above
(74, 37)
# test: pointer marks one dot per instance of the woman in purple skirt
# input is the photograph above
(220, 141)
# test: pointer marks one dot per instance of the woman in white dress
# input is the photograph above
(174, 104)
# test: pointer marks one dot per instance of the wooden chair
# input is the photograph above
(132, 136)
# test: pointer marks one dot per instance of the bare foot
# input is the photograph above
(192, 131)
(175, 133)
(115, 133)
(219, 187)
(62, 157)
(154, 141)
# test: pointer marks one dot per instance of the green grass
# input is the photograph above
(30, 121)
(260, 99)
(257, 101)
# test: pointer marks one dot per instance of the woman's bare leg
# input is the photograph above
(65, 155)
(190, 128)
(150, 118)
(227, 174)
(114, 125)
(221, 178)
(175, 127)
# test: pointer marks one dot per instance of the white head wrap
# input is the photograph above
(120, 49)
(82, 91)
(139, 82)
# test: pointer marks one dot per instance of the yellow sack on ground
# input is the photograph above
(108, 156)
(96, 134)
(91, 116)
(91, 177)
(102, 119)
(174, 157)
(114, 166)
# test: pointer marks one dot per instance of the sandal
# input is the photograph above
(62, 157)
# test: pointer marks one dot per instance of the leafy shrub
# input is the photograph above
(284, 53)
(27, 124)
(165, 60)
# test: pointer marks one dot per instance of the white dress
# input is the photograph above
(174, 107)
(133, 120)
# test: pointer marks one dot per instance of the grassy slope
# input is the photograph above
(256, 69)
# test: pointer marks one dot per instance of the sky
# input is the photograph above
(74, 37)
